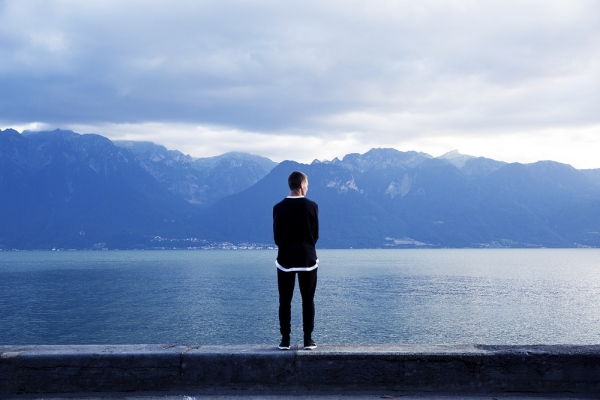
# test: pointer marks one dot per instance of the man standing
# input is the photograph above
(296, 231)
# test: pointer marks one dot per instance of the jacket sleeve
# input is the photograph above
(275, 230)
(276, 227)
(315, 229)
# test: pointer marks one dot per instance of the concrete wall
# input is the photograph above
(444, 368)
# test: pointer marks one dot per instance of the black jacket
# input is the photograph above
(296, 231)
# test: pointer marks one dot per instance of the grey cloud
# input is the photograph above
(274, 66)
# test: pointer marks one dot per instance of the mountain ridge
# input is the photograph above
(66, 190)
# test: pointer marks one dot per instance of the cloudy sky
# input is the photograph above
(517, 81)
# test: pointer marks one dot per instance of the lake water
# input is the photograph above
(488, 296)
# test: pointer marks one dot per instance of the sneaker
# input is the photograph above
(285, 344)
(309, 344)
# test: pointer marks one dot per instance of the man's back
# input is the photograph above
(296, 231)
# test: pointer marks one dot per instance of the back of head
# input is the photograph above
(296, 179)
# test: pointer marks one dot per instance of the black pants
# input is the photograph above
(307, 281)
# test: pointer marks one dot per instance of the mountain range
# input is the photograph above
(60, 189)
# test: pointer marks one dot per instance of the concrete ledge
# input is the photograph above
(430, 368)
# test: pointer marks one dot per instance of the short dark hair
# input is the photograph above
(296, 179)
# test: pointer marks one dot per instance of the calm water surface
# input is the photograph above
(504, 296)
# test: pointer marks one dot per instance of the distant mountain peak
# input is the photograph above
(200, 181)
(236, 158)
(452, 154)
(456, 158)
(54, 132)
(152, 151)
(9, 131)
(379, 158)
